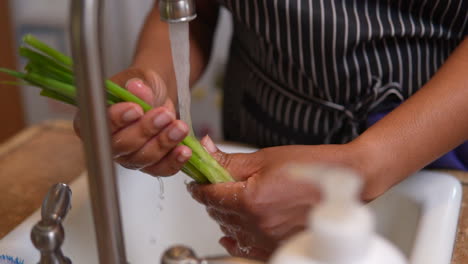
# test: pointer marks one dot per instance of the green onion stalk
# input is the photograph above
(52, 72)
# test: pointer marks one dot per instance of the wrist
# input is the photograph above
(375, 165)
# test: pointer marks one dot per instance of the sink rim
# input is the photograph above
(432, 179)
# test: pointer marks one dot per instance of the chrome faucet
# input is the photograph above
(176, 11)
(86, 31)
(48, 234)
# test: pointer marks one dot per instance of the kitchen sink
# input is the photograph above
(419, 216)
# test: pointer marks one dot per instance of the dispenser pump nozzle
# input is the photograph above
(342, 226)
(340, 187)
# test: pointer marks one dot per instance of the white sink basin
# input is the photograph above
(419, 215)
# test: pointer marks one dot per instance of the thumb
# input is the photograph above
(145, 84)
(137, 87)
(241, 166)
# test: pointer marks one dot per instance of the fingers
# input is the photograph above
(226, 196)
(243, 239)
(158, 123)
(147, 147)
(241, 166)
(120, 116)
(170, 164)
(123, 114)
(154, 149)
(148, 142)
(233, 248)
(225, 218)
(209, 145)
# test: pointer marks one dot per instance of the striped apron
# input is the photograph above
(319, 71)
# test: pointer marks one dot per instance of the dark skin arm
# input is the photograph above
(264, 207)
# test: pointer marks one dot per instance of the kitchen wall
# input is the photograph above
(48, 19)
(12, 118)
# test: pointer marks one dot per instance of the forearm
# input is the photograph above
(429, 124)
(154, 48)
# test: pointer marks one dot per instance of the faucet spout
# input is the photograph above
(85, 24)
(177, 11)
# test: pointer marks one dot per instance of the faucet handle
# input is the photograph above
(48, 236)
(185, 255)
(57, 202)
(179, 255)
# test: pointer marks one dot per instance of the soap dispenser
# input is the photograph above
(341, 230)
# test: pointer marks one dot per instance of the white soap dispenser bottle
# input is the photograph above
(341, 229)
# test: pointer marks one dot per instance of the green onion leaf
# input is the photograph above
(52, 72)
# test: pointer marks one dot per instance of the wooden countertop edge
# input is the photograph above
(23, 136)
(30, 162)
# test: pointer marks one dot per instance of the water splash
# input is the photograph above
(160, 207)
(159, 201)
(161, 188)
(187, 182)
(153, 240)
(244, 249)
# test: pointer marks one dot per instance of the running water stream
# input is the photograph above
(179, 36)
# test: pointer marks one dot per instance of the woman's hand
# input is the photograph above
(265, 206)
(147, 141)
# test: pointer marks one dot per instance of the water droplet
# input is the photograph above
(160, 207)
(187, 181)
(245, 250)
(161, 188)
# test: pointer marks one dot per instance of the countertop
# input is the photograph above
(48, 153)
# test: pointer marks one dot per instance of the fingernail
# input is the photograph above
(134, 83)
(176, 133)
(131, 115)
(223, 242)
(209, 145)
(226, 241)
(162, 120)
(184, 156)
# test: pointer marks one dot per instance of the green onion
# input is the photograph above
(57, 96)
(52, 53)
(51, 71)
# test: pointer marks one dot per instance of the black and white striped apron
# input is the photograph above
(312, 71)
